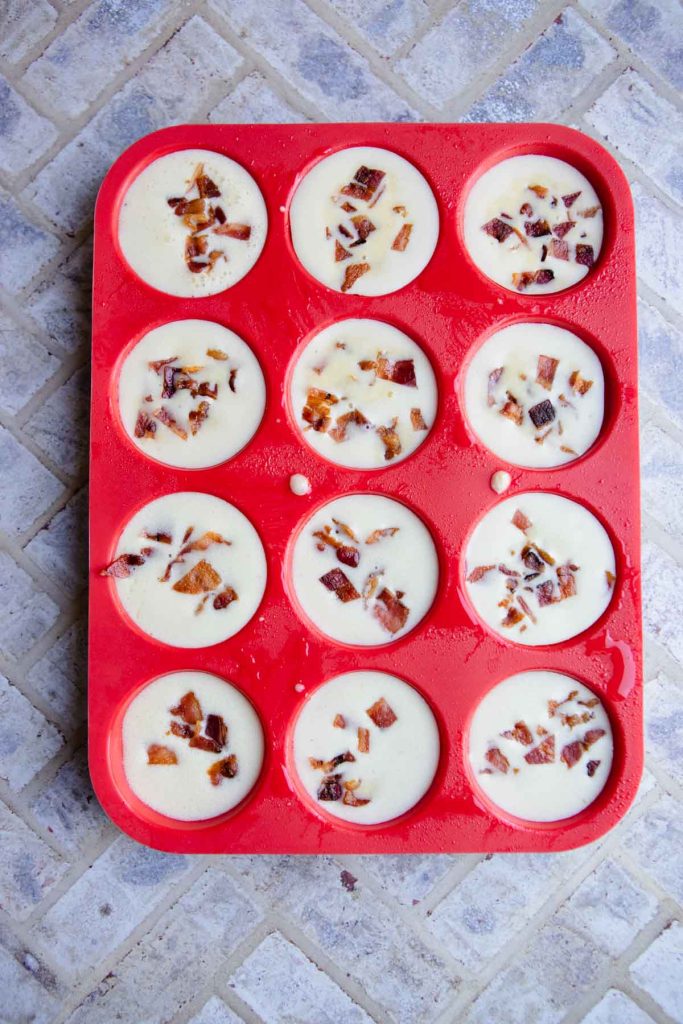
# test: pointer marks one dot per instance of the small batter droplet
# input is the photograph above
(299, 484)
(500, 481)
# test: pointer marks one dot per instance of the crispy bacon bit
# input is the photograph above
(317, 408)
(206, 187)
(188, 708)
(164, 416)
(399, 371)
(182, 730)
(219, 214)
(611, 578)
(589, 212)
(145, 425)
(542, 413)
(562, 229)
(352, 273)
(400, 243)
(197, 416)
(578, 384)
(591, 737)
(338, 582)
(204, 542)
(540, 190)
(544, 276)
(340, 253)
(497, 759)
(400, 209)
(365, 183)
(479, 572)
(536, 228)
(200, 579)
(348, 207)
(217, 353)
(497, 229)
(158, 754)
(339, 722)
(566, 581)
(207, 390)
(158, 365)
(381, 714)
(559, 249)
(584, 255)
(351, 800)
(521, 521)
(376, 536)
(205, 743)
(390, 440)
(363, 226)
(571, 198)
(545, 371)
(338, 431)
(526, 209)
(225, 598)
(544, 753)
(521, 733)
(526, 609)
(512, 617)
(226, 768)
(530, 558)
(334, 762)
(348, 555)
(345, 529)
(391, 612)
(239, 231)
(592, 767)
(544, 593)
(363, 740)
(330, 788)
(370, 587)
(506, 571)
(571, 753)
(494, 377)
(121, 567)
(417, 420)
(513, 410)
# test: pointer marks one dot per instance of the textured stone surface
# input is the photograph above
(651, 28)
(25, 365)
(26, 613)
(386, 26)
(659, 971)
(654, 842)
(29, 869)
(25, 247)
(22, 26)
(27, 740)
(616, 1008)
(24, 135)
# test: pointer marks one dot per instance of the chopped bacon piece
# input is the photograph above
(187, 207)
(195, 245)
(158, 754)
(611, 578)
(370, 586)
(544, 593)
(521, 521)
(506, 571)
(121, 567)
(219, 214)
(390, 611)
(566, 581)
(591, 737)
(345, 529)
(339, 722)
(330, 788)
(182, 730)
(526, 209)
(338, 582)
(497, 759)
(530, 558)
(540, 190)
(205, 743)
(340, 253)
(197, 416)
(512, 617)
(559, 249)
(400, 209)
(400, 243)
(494, 377)
(352, 273)
(145, 425)
(334, 762)
(376, 536)
(240, 231)
(188, 708)
(207, 188)
(226, 768)
(578, 384)
(399, 371)
(204, 542)
(497, 229)
(169, 421)
(571, 198)
(571, 753)
(159, 364)
(365, 183)
(417, 420)
(542, 413)
(225, 598)
(390, 440)
(217, 353)
(317, 408)
(592, 767)
(363, 740)
(348, 207)
(584, 254)
(479, 572)
(521, 732)
(207, 390)
(592, 703)
(536, 228)
(348, 555)
(544, 276)
(160, 538)
(363, 226)
(562, 229)
(545, 371)
(338, 431)
(544, 753)
(513, 410)
(589, 212)
(351, 800)
(200, 579)
(381, 714)
(526, 609)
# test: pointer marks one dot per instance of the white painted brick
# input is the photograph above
(71, 72)
(385, 25)
(111, 899)
(253, 101)
(26, 613)
(215, 1011)
(281, 984)
(543, 982)
(203, 928)
(410, 878)
(609, 908)
(25, 365)
(67, 807)
(654, 842)
(24, 247)
(314, 59)
(616, 1008)
(24, 134)
(548, 76)
(652, 30)
(658, 233)
(60, 425)
(27, 740)
(664, 725)
(390, 962)
(662, 599)
(659, 971)
(464, 45)
(28, 867)
(661, 356)
(24, 1000)
(22, 25)
(59, 677)
(28, 490)
(170, 89)
(61, 305)
(61, 547)
(661, 474)
(644, 127)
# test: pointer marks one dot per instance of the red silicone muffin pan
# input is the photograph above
(276, 659)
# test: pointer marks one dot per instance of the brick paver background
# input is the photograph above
(95, 929)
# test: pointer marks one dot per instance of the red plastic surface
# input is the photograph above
(450, 657)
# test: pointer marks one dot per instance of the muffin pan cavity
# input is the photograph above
(351, 524)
